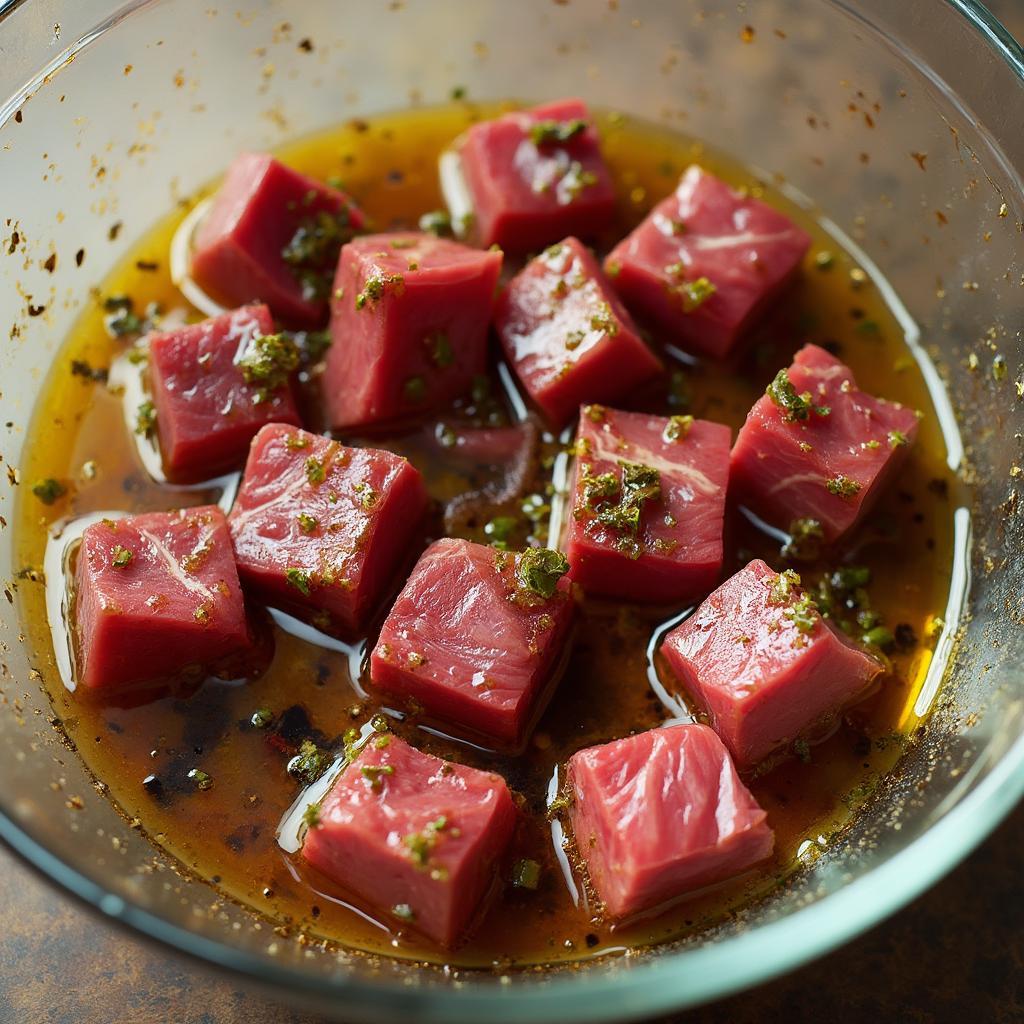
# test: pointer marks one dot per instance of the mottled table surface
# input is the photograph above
(956, 956)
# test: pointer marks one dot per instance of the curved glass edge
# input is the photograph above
(709, 972)
(658, 986)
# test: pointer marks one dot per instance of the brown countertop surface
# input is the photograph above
(955, 956)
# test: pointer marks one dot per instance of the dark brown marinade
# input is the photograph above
(206, 774)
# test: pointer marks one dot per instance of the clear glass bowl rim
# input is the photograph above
(664, 984)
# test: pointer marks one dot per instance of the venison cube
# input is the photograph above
(206, 412)
(409, 322)
(706, 262)
(420, 840)
(273, 234)
(156, 594)
(793, 460)
(764, 665)
(648, 505)
(567, 336)
(322, 528)
(660, 814)
(535, 176)
(471, 643)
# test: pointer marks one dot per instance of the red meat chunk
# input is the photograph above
(764, 665)
(273, 234)
(660, 814)
(470, 643)
(409, 324)
(535, 176)
(648, 507)
(705, 263)
(322, 528)
(156, 594)
(567, 335)
(206, 412)
(793, 461)
(418, 839)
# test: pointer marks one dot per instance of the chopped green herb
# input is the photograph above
(694, 293)
(458, 92)
(121, 557)
(803, 613)
(441, 353)
(999, 369)
(603, 320)
(311, 816)
(261, 718)
(48, 490)
(538, 570)
(499, 529)
(526, 874)
(315, 472)
(420, 844)
(415, 389)
(122, 320)
(573, 339)
(842, 486)
(375, 285)
(268, 361)
(639, 482)
(598, 488)
(794, 406)
(805, 540)
(293, 442)
(373, 772)
(678, 428)
(307, 523)
(544, 133)
(367, 496)
(879, 637)
(784, 587)
(145, 419)
(577, 179)
(202, 780)
(309, 763)
(897, 439)
(300, 579)
(403, 912)
(312, 251)
(436, 222)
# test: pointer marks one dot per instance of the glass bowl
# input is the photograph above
(900, 120)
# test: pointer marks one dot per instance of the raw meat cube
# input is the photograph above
(567, 336)
(273, 234)
(660, 814)
(816, 447)
(324, 528)
(648, 505)
(156, 594)
(409, 324)
(418, 839)
(764, 665)
(207, 411)
(705, 262)
(474, 636)
(535, 176)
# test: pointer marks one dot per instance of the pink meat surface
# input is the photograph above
(746, 250)
(240, 247)
(156, 594)
(826, 467)
(567, 336)
(418, 839)
(409, 324)
(318, 527)
(469, 645)
(764, 679)
(660, 814)
(528, 193)
(206, 414)
(675, 552)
